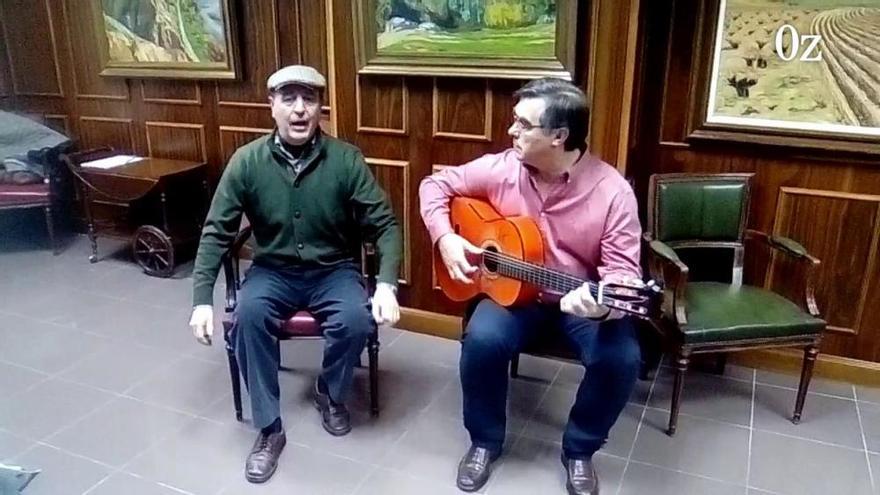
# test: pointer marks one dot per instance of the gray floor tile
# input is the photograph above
(428, 348)
(539, 369)
(118, 431)
(122, 483)
(550, 419)
(197, 385)
(61, 472)
(533, 466)
(871, 424)
(727, 447)
(430, 450)
(868, 394)
(827, 419)
(304, 470)
(875, 469)
(14, 379)
(48, 407)
(522, 402)
(570, 376)
(707, 396)
(12, 445)
(45, 347)
(118, 366)
(201, 458)
(817, 385)
(640, 479)
(789, 465)
(623, 433)
(385, 482)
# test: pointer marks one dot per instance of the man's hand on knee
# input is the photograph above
(386, 311)
(202, 323)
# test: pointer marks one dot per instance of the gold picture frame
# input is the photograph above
(150, 39)
(419, 49)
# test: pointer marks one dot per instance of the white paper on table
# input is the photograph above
(111, 161)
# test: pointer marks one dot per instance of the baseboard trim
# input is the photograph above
(785, 360)
(427, 322)
(827, 366)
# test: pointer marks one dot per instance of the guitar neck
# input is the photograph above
(538, 275)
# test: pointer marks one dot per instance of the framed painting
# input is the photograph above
(191, 39)
(511, 39)
(805, 69)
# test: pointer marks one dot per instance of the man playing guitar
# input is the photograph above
(587, 215)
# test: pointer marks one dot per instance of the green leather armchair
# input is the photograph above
(687, 211)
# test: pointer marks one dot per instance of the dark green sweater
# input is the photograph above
(318, 218)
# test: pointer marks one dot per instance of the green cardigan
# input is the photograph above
(318, 218)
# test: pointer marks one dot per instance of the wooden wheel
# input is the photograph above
(153, 251)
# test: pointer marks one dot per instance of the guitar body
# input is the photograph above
(518, 237)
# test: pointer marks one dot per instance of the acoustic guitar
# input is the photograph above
(510, 268)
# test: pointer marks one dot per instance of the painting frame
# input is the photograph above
(701, 126)
(561, 65)
(228, 70)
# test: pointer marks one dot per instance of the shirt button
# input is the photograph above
(543, 214)
(296, 214)
(300, 246)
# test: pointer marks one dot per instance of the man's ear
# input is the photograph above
(560, 136)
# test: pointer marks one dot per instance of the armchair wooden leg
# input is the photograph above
(93, 240)
(720, 363)
(681, 364)
(235, 376)
(514, 366)
(50, 228)
(373, 351)
(810, 353)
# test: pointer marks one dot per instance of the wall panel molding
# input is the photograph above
(451, 103)
(60, 123)
(84, 61)
(176, 140)
(403, 210)
(174, 86)
(21, 64)
(233, 137)
(106, 131)
(375, 99)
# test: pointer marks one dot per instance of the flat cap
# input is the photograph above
(296, 74)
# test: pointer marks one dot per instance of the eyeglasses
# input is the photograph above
(521, 124)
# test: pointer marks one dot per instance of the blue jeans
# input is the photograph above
(335, 295)
(608, 350)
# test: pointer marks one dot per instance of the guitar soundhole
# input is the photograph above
(490, 263)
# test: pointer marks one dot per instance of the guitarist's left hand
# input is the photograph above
(580, 302)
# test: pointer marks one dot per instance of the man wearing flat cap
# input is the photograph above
(310, 199)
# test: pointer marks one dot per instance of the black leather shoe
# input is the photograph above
(334, 417)
(582, 477)
(474, 469)
(263, 459)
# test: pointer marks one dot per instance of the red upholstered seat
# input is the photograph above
(13, 194)
(302, 324)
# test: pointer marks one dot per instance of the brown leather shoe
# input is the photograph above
(474, 469)
(334, 417)
(581, 476)
(263, 459)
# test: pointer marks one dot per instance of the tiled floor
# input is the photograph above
(105, 390)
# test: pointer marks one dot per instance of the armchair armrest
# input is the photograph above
(229, 261)
(665, 266)
(796, 251)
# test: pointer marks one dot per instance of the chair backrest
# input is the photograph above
(699, 210)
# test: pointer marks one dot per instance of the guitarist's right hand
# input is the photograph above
(454, 250)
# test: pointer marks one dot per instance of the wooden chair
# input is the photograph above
(300, 326)
(687, 211)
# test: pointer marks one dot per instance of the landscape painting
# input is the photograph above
(801, 65)
(167, 38)
(457, 37)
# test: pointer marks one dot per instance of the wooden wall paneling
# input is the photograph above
(5, 74)
(33, 60)
(85, 63)
(106, 131)
(848, 251)
(382, 104)
(232, 138)
(260, 55)
(462, 110)
(176, 140)
(167, 92)
(394, 177)
(60, 123)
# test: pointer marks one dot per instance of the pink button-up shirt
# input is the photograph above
(589, 219)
